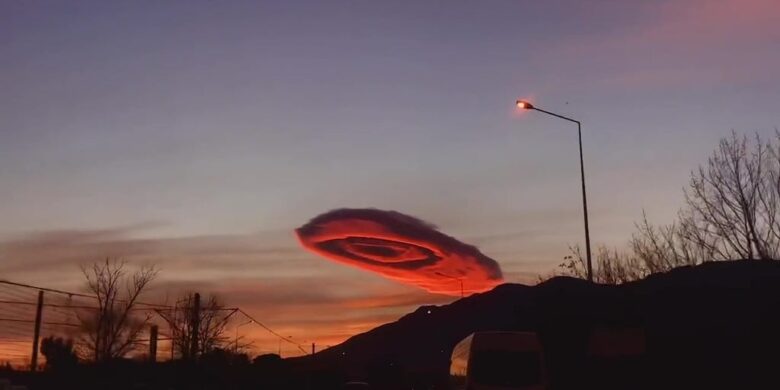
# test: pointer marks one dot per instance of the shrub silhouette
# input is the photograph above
(59, 353)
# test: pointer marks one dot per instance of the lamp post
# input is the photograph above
(525, 105)
(452, 277)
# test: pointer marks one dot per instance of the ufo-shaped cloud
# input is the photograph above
(401, 248)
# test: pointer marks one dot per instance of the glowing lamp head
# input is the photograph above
(524, 105)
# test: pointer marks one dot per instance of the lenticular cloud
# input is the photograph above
(401, 248)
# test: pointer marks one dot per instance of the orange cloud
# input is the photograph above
(400, 248)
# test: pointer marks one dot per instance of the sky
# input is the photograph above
(197, 135)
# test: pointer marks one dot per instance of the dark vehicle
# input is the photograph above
(498, 361)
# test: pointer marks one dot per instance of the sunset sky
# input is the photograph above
(197, 135)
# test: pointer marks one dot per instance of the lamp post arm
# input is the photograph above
(557, 116)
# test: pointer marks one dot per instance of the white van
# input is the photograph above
(498, 361)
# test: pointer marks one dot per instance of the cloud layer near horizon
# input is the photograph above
(264, 274)
(401, 248)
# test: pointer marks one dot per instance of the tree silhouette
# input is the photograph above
(731, 203)
(112, 329)
(731, 211)
(59, 353)
(208, 327)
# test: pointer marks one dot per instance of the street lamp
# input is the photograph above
(525, 105)
(452, 277)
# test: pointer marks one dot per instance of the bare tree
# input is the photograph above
(730, 208)
(113, 328)
(662, 248)
(731, 212)
(205, 323)
(769, 198)
(610, 267)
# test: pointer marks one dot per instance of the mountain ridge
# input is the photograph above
(689, 315)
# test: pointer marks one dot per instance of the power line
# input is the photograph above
(18, 297)
(15, 347)
(17, 294)
(16, 328)
(272, 331)
(16, 315)
(18, 300)
(17, 332)
(32, 322)
(16, 310)
(52, 290)
(47, 305)
(183, 308)
(70, 293)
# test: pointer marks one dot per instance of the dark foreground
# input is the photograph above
(715, 326)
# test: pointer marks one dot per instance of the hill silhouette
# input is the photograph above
(716, 325)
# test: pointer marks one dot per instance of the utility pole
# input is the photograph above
(37, 332)
(313, 349)
(153, 344)
(195, 321)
